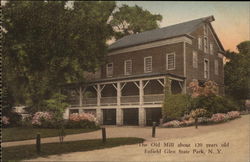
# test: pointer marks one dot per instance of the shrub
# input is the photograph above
(172, 124)
(82, 120)
(215, 104)
(233, 114)
(5, 121)
(219, 117)
(41, 119)
(199, 113)
(175, 106)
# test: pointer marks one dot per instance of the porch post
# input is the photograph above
(80, 96)
(141, 108)
(98, 95)
(98, 110)
(119, 115)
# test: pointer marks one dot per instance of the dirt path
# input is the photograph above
(235, 133)
(144, 132)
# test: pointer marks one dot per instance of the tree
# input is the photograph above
(130, 20)
(237, 72)
(46, 44)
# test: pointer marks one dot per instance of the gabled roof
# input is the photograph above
(172, 31)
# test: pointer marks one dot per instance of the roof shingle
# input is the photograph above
(159, 34)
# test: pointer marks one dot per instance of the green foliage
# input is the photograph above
(215, 104)
(237, 72)
(7, 108)
(81, 124)
(57, 105)
(46, 45)
(130, 20)
(175, 106)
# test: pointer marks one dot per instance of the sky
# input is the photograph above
(232, 19)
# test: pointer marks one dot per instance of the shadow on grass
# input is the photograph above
(29, 151)
(19, 133)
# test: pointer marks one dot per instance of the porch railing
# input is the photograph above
(125, 100)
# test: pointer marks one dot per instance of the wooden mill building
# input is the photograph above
(128, 90)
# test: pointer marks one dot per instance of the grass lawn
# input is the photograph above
(29, 151)
(19, 133)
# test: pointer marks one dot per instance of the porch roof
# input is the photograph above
(129, 77)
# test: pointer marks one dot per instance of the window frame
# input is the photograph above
(172, 53)
(211, 50)
(151, 68)
(205, 43)
(200, 43)
(195, 65)
(125, 67)
(208, 70)
(107, 74)
(216, 67)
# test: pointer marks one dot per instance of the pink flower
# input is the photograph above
(5, 120)
(82, 116)
(39, 116)
(233, 114)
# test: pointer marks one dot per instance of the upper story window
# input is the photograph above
(206, 69)
(205, 44)
(128, 67)
(211, 48)
(170, 61)
(195, 59)
(199, 43)
(216, 67)
(205, 29)
(109, 69)
(147, 64)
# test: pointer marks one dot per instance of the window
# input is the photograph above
(128, 67)
(195, 59)
(206, 69)
(205, 44)
(171, 61)
(211, 49)
(216, 67)
(205, 28)
(109, 69)
(148, 64)
(199, 43)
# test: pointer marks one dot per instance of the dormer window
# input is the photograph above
(109, 69)
(211, 47)
(128, 67)
(199, 43)
(147, 64)
(205, 30)
(205, 44)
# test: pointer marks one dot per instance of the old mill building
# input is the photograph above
(128, 90)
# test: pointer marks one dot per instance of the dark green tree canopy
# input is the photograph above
(237, 72)
(130, 20)
(46, 45)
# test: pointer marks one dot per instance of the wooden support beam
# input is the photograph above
(123, 85)
(180, 85)
(161, 83)
(115, 86)
(146, 84)
(137, 85)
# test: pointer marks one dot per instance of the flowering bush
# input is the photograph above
(82, 120)
(5, 120)
(173, 123)
(209, 88)
(219, 117)
(40, 117)
(198, 113)
(82, 116)
(216, 118)
(233, 114)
